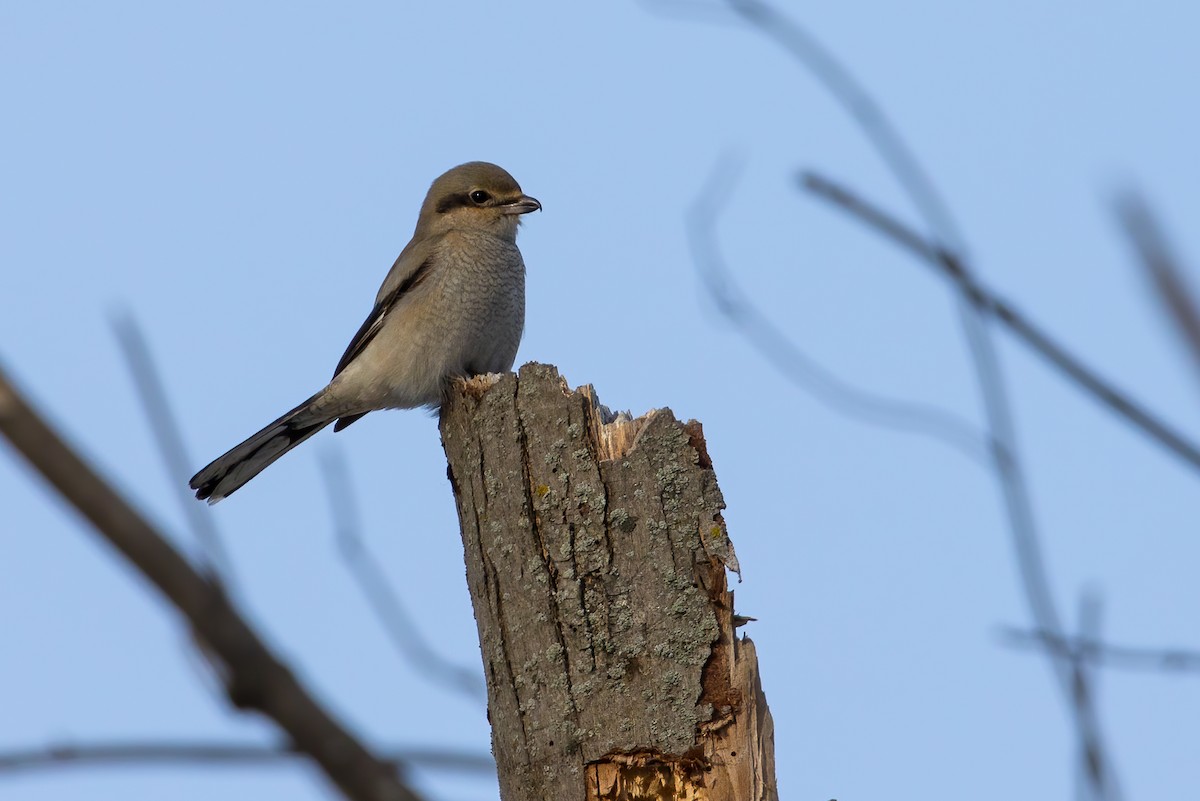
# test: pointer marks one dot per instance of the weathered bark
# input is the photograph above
(596, 558)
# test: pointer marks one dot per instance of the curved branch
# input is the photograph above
(789, 359)
(254, 678)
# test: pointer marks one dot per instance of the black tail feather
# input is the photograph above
(226, 474)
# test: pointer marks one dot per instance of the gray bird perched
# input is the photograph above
(452, 306)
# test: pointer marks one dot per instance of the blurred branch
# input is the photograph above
(254, 678)
(1074, 684)
(786, 356)
(384, 601)
(895, 153)
(170, 442)
(837, 79)
(147, 753)
(1166, 273)
(858, 102)
(1102, 654)
(994, 306)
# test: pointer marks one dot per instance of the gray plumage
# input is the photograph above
(452, 306)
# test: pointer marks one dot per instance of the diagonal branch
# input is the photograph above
(862, 106)
(1166, 274)
(170, 443)
(254, 678)
(977, 309)
(994, 306)
(1010, 477)
(788, 358)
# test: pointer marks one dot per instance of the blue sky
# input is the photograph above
(241, 176)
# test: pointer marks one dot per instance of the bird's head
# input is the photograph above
(476, 195)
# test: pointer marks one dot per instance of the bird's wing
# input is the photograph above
(410, 269)
(411, 260)
(374, 323)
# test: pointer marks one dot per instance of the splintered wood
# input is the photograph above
(596, 559)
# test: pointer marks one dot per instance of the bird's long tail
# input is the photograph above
(228, 473)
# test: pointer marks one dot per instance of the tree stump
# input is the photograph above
(596, 559)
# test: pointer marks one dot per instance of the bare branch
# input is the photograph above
(787, 357)
(170, 442)
(993, 305)
(385, 603)
(845, 88)
(976, 311)
(1164, 270)
(1009, 474)
(255, 679)
(858, 102)
(156, 752)
(1102, 654)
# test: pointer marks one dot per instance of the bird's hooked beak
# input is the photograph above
(522, 205)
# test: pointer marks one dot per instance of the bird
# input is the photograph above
(451, 307)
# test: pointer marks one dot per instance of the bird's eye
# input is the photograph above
(479, 197)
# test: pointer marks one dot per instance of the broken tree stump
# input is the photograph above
(596, 559)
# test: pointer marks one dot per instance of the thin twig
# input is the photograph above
(157, 752)
(373, 582)
(171, 448)
(1108, 655)
(949, 244)
(822, 64)
(951, 247)
(255, 679)
(1164, 270)
(976, 307)
(993, 305)
(786, 356)
(845, 88)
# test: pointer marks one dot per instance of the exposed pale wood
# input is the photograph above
(596, 558)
